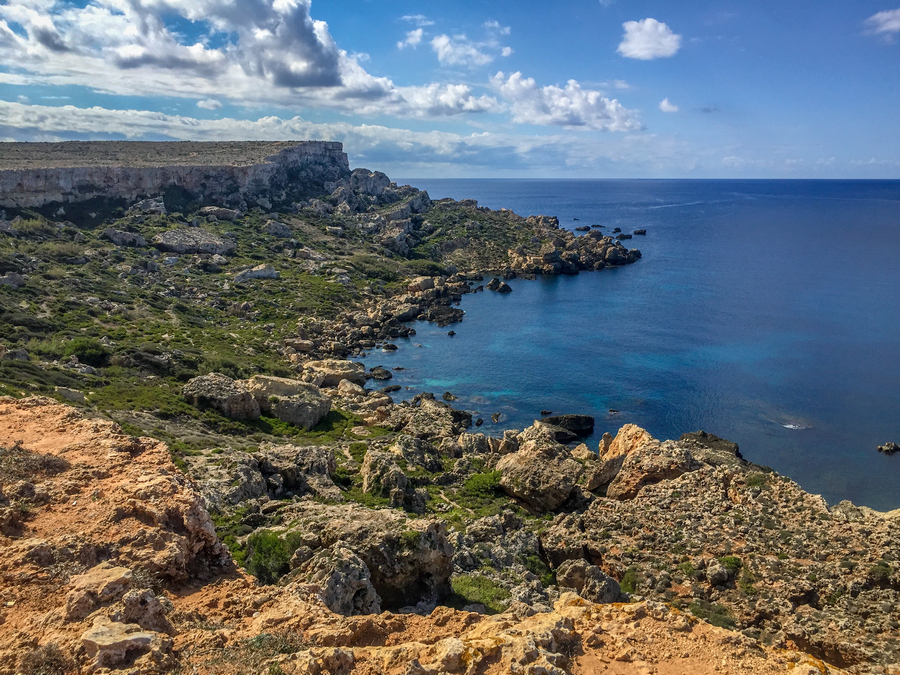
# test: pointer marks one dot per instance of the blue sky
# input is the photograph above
(586, 88)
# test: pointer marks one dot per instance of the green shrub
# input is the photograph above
(268, 556)
(880, 572)
(731, 563)
(482, 485)
(629, 581)
(86, 350)
(478, 589)
(716, 614)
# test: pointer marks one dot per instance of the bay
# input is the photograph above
(765, 312)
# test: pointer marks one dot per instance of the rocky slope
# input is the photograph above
(109, 564)
(297, 518)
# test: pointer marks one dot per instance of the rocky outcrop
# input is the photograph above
(541, 473)
(228, 396)
(291, 401)
(76, 171)
(192, 240)
(258, 272)
(122, 238)
(588, 581)
(330, 372)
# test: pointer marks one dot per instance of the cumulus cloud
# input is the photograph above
(667, 106)
(571, 106)
(209, 104)
(886, 24)
(506, 51)
(648, 39)
(418, 19)
(257, 52)
(459, 51)
(412, 39)
(494, 26)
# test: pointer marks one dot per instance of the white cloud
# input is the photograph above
(668, 107)
(209, 104)
(571, 107)
(494, 26)
(418, 19)
(506, 51)
(413, 38)
(884, 23)
(648, 39)
(459, 51)
(24, 100)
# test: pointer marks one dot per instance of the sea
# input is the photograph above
(766, 312)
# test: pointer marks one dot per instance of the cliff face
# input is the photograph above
(302, 167)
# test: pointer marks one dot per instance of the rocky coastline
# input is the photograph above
(227, 496)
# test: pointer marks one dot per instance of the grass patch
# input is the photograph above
(18, 463)
(714, 613)
(471, 589)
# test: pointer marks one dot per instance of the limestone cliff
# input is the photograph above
(225, 172)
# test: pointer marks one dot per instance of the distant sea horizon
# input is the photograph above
(763, 311)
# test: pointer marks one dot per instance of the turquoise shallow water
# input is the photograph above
(757, 304)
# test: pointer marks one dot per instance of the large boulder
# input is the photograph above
(298, 470)
(330, 372)
(580, 425)
(345, 581)
(228, 396)
(635, 459)
(588, 581)
(427, 418)
(123, 238)
(192, 240)
(258, 272)
(542, 473)
(291, 401)
(113, 645)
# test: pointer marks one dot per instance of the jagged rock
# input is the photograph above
(379, 373)
(12, 279)
(541, 473)
(150, 206)
(226, 395)
(367, 182)
(382, 477)
(330, 372)
(589, 581)
(192, 240)
(278, 229)
(889, 448)
(144, 608)
(258, 272)
(220, 213)
(427, 418)
(345, 581)
(122, 238)
(113, 645)
(420, 284)
(291, 401)
(416, 452)
(644, 461)
(299, 470)
(580, 425)
(99, 586)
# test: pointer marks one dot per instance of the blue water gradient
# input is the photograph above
(757, 304)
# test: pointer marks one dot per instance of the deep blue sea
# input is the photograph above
(767, 312)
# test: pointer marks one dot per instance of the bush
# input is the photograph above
(731, 563)
(478, 589)
(716, 614)
(86, 350)
(629, 581)
(482, 485)
(46, 660)
(268, 556)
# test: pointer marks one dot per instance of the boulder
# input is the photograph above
(542, 474)
(298, 470)
(889, 448)
(580, 425)
(588, 581)
(278, 229)
(635, 459)
(111, 645)
(226, 395)
(150, 206)
(379, 373)
(122, 238)
(258, 272)
(99, 586)
(12, 279)
(220, 213)
(330, 372)
(345, 581)
(192, 240)
(291, 401)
